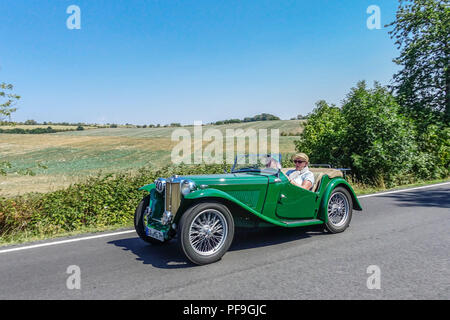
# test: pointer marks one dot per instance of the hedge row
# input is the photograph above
(37, 130)
(99, 201)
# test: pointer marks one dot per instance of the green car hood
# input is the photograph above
(228, 179)
(247, 188)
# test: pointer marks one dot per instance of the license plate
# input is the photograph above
(155, 234)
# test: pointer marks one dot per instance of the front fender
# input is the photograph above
(326, 195)
(148, 187)
(215, 193)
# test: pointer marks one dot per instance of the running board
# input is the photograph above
(301, 223)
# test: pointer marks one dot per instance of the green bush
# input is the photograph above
(371, 135)
(322, 136)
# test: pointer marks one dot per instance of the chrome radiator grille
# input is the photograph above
(172, 197)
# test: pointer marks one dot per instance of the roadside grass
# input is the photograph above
(16, 238)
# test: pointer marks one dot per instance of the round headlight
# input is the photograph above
(187, 186)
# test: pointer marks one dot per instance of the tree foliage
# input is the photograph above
(371, 135)
(421, 32)
(321, 137)
(378, 141)
(7, 101)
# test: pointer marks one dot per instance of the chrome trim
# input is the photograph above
(191, 185)
(172, 199)
(146, 215)
(167, 217)
(160, 185)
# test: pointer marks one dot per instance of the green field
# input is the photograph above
(72, 156)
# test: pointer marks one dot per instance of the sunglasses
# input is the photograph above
(299, 161)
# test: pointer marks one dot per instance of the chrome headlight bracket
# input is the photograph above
(187, 186)
(167, 217)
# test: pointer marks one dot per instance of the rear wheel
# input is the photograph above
(339, 210)
(206, 231)
(140, 221)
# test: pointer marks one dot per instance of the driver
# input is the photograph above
(301, 176)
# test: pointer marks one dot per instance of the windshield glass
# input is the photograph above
(266, 163)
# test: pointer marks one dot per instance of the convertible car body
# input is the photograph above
(202, 211)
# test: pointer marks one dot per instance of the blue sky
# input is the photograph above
(166, 61)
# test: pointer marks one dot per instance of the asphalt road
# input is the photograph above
(405, 234)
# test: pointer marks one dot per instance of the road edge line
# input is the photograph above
(65, 241)
(402, 190)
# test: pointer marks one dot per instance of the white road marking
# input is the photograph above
(66, 241)
(54, 243)
(403, 190)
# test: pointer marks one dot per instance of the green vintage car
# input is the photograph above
(202, 211)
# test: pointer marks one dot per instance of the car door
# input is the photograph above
(296, 203)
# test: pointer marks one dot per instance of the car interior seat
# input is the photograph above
(319, 173)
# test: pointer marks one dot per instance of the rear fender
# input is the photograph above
(334, 183)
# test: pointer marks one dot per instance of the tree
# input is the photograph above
(322, 136)
(422, 33)
(379, 142)
(7, 101)
(368, 134)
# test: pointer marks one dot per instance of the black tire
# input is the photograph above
(139, 222)
(339, 195)
(223, 220)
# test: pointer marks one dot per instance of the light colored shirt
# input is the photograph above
(301, 176)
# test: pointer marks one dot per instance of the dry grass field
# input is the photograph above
(70, 157)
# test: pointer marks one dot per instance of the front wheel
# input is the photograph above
(339, 210)
(206, 231)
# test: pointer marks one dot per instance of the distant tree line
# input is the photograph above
(37, 130)
(259, 117)
(129, 125)
(47, 123)
(300, 117)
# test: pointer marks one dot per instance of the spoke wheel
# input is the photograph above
(206, 231)
(339, 210)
